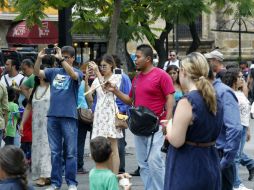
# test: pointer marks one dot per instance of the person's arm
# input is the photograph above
(233, 127)
(169, 106)
(25, 117)
(37, 71)
(25, 91)
(176, 133)
(245, 88)
(69, 69)
(4, 103)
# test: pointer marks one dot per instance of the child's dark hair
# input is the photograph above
(11, 94)
(12, 162)
(100, 148)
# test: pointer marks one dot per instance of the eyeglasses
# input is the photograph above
(103, 67)
(66, 57)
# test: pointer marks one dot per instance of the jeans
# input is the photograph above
(82, 131)
(241, 158)
(152, 172)
(121, 149)
(63, 129)
(17, 140)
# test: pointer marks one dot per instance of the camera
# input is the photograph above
(165, 146)
(118, 71)
(50, 51)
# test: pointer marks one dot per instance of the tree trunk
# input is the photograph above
(159, 43)
(114, 27)
(195, 38)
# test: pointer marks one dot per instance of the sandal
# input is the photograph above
(43, 182)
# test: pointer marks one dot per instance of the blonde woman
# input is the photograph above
(197, 121)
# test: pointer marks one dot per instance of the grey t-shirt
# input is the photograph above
(63, 92)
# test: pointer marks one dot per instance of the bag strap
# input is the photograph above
(134, 91)
(7, 84)
(21, 81)
(150, 148)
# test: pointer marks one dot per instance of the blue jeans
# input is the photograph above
(152, 172)
(59, 130)
(241, 158)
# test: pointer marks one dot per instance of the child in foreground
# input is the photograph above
(13, 169)
(100, 177)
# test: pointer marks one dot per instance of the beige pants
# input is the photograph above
(114, 161)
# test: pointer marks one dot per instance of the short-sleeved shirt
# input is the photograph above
(152, 89)
(13, 116)
(244, 108)
(3, 103)
(63, 92)
(102, 179)
(29, 83)
(18, 79)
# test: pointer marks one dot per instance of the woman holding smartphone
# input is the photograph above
(106, 108)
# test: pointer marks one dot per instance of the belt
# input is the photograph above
(208, 144)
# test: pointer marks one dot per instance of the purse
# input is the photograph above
(85, 116)
(120, 120)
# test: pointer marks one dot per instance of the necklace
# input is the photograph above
(40, 97)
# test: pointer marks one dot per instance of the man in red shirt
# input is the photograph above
(154, 90)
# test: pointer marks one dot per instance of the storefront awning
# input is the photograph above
(21, 34)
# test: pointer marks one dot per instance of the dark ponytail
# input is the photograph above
(36, 84)
(12, 162)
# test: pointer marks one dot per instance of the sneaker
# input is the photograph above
(72, 187)
(82, 171)
(241, 187)
(251, 174)
(136, 172)
(52, 187)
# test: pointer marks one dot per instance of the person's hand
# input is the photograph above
(58, 54)
(41, 54)
(21, 127)
(110, 87)
(248, 135)
(93, 66)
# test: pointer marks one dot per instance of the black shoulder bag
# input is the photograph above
(142, 121)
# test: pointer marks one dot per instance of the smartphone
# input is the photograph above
(118, 71)
(50, 51)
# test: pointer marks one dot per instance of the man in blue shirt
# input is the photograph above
(62, 114)
(230, 136)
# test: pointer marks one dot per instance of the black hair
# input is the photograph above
(69, 50)
(48, 61)
(11, 94)
(12, 162)
(230, 76)
(117, 61)
(243, 62)
(146, 50)
(231, 65)
(100, 148)
(36, 84)
(28, 62)
(109, 59)
(15, 62)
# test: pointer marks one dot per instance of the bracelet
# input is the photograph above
(61, 61)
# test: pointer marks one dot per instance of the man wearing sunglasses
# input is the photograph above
(172, 60)
(62, 114)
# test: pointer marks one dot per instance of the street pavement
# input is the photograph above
(131, 165)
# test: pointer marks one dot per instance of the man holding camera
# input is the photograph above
(62, 114)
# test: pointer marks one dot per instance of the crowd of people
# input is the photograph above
(203, 109)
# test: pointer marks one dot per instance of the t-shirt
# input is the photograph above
(81, 98)
(11, 80)
(244, 107)
(29, 83)
(152, 89)
(63, 92)
(167, 63)
(102, 179)
(13, 116)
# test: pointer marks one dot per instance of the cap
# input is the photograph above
(214, 54)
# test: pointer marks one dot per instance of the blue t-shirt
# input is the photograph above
(81, 98)
(63, 92)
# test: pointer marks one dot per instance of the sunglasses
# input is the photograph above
(103, 67)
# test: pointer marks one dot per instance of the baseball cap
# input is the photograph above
(214, 54)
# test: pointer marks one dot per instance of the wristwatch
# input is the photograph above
(61, 61)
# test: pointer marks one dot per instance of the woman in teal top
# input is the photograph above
(173, 71)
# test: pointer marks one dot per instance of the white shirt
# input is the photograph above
(167, 63)
(244, 108)
(17, 79)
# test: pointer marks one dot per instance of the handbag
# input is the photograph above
(85, 116)
(120, 120)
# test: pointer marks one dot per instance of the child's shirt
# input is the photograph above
(13, 116)
(102, 179)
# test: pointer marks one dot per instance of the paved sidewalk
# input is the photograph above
(131, 165)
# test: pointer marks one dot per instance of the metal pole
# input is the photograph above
(177, 44)
(167, 46)
(240, 39)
